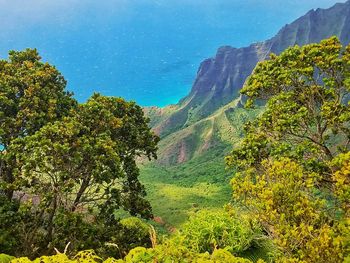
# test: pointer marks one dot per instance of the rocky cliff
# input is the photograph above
(220, 78)
(195, 124)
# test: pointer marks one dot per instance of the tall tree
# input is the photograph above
(85, 164)
(32, 94)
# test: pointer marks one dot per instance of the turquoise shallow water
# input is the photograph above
(143, 50)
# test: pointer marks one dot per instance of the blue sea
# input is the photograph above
(143, 50)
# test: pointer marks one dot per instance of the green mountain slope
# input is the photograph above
(220, 130)
(219, 79)
(190, 173)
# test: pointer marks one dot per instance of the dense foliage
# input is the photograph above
(207, 231)
(142, 255)
(218, 240)
(293, 164)
(66, 168)
(32, 94)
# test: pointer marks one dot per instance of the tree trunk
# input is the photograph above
(50, 219)
(80, 193)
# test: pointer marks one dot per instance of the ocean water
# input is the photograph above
(143, 50)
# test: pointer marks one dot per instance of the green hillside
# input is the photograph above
(190, 173)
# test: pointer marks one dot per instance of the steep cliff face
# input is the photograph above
(204, 120)
(219, 79)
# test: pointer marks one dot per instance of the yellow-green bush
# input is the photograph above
(137, 229)
(209, 230)
(160, 254)
(133, 233)
(180, 254)
(87, 256)
(5, 258)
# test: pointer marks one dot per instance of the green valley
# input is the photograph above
(190, 173)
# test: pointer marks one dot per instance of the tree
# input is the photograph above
(307, 90)
(302, 221)
(64, 165)
(84, 164)
(32, 94)
(292, 164)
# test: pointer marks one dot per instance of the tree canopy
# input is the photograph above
(65, 167)
(32, 94)
(293, 164)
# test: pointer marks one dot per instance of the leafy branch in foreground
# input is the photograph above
(293, 165)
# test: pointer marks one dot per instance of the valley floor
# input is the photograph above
(175, 192)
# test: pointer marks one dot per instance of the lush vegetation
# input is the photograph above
(294, 169)
(177, 191)
(217, 235)
(66, 168)
(66, 178)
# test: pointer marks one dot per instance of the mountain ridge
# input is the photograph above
(220, 78)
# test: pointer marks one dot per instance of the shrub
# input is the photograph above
(142, 255)
(134, 233)
(207, 231)
(5, 258)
